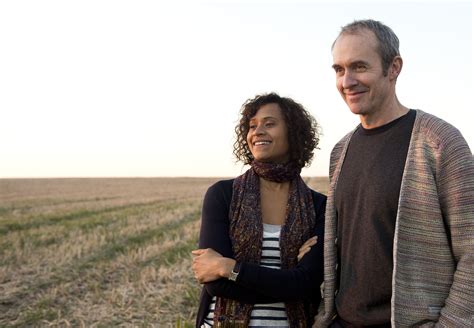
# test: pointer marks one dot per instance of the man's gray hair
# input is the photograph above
(388, 43)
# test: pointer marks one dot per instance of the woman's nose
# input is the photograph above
(259, 130)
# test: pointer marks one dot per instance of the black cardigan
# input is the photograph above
(256, 284)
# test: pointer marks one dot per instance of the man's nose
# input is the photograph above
(348, 80)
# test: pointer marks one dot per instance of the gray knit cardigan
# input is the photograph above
(433, 249)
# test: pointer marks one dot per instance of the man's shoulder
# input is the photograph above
(435, 129)
(339, 146)
(425, 119)
(344, 139)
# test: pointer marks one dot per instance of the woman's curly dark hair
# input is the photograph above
(303, 130)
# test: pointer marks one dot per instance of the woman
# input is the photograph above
(253, 226)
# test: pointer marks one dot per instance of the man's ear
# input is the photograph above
(395, 68)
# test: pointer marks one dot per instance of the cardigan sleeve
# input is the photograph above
(256, 284)
(455, 182)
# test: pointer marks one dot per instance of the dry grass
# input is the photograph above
(100, 252)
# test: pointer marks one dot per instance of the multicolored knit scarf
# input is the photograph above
(246, 233)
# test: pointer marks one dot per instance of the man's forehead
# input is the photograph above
(362, 34)
(355, 47)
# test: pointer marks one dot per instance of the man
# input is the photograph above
(399, 240)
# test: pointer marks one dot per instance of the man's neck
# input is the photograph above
(380, 118)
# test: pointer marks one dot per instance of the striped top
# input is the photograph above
(263, 315)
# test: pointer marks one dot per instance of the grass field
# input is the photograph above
(100, 252)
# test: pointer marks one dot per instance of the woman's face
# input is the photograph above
(268, 135)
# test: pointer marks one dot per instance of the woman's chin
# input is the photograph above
(270, 161)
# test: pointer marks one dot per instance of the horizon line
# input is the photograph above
(137, 177)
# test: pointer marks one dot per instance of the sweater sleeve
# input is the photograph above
(215, 234)
(256, 284)
(455, 183)
(301, 283)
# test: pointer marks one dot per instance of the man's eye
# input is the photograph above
(360, 68)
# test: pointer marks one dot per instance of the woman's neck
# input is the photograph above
(274, 186)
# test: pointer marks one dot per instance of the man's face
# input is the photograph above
(359, 74)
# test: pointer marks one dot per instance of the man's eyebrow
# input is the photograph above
(354, 63)
(357, 62)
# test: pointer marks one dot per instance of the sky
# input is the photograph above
(154, 88)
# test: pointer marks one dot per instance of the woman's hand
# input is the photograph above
(209, 265)
(306, 247)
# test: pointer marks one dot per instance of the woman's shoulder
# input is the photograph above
(220, 191)
(221, 186)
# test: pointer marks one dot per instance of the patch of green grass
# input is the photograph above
(55, 201)
(77, 218)
(183, 323)
(17, 210)
(177, 253)
(23, 206)
(110, 251)
(91, 268)
(120, 245)
(191, 295)
(30, 239)
(45, 220)
(44, 309)
(5, 210)
(47, 241)
(8, 226)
